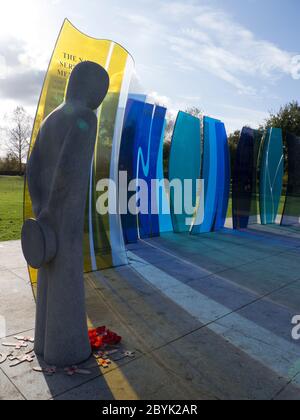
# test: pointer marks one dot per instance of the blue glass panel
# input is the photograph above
(165, 221)
(291, 214)
(143, 147)
(156, 138)
(128, 161)
(211, 169)
(137, 97)
(244, 182)
(140, 148)
(223, 188)
(185, 163)
(271, 178)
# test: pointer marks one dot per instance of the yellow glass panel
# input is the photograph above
(73, 47)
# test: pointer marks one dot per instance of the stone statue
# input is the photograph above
(58, 176)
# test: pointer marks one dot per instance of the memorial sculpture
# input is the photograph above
(58, 176)
(103, 242)
(199, 150)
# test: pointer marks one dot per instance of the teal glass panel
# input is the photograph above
(223, 185)
(271, 175)
(185, 164)
(210, 175)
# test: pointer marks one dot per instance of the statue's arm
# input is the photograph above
(33, 177)
(75, 157)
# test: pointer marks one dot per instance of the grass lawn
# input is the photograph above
(11, 207)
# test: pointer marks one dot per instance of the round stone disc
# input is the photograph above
(33, 243)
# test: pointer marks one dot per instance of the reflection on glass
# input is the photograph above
(271, 175)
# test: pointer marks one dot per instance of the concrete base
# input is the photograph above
(209, 316)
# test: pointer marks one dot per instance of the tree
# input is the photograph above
(287, 118)
(9, 164)
(167, 142)
(195, 112)
(18, 136)
(233, 141)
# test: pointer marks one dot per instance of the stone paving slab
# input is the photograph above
(209, 318)
(143, 379)
(7, 390)
(211, 363)
(16, 303)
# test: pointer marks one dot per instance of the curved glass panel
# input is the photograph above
(255, 205)
(185, 164)
(244, 183)
(271, 175)
(156, 138)
(291, 214)
(223, 187)
(143, 148)
(163, 193)
(127, 163)
(210, 171)
(140, 158)
(103, 239)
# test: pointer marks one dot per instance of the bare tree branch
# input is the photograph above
(18, 135)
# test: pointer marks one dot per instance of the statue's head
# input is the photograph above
(88, 84)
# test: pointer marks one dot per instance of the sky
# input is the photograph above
(235, 60)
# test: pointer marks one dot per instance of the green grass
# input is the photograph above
(11, 207)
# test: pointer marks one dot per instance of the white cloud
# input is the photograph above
(3, 67)
(243, 117)
(157, 99)
(211, 40)
(296, 67)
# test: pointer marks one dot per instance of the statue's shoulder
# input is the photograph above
(84, 120)
(86, 114)
(66, 116)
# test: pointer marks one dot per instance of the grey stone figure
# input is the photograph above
(58, 177)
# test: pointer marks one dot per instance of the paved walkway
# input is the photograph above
(209, 317)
